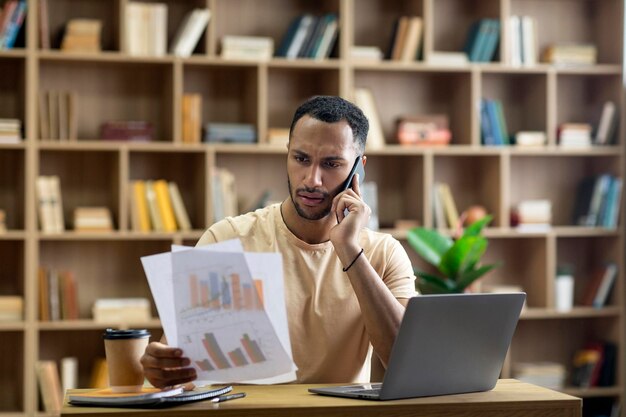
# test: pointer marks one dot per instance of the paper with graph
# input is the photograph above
(229, 312)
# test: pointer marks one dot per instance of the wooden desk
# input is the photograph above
(510, 398)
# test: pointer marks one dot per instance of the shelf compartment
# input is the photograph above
(247, 169)
(406, 93)
(126, 93)
(524, 99)
(268, 18)
(453, 19)
(374, 21)
(587, 256)
(187, 170)
(12, 187)
(585, 21)
(103, 269)
(229, 93)
(88, 179)
(556, 179)
(12, 371)
(473, 180)
(12, 279)
(288, 88)
(13, 89)
(400, 184)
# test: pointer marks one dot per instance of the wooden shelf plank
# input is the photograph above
(88, 324)
(120, 235)
(575, 313)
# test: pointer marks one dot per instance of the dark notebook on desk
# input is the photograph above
(447, 344)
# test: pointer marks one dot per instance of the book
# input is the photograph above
(364, 99)
(69, 373)
(44, 25)
(189, 32)
(92, 219)
(140, 219)
(413, 39)
(449, 206)
(247, 47)
(153, 207)
(400, 38)
(3, 221)
(146, 398)
(49, 383)
(135, 130)
(607, 283)
(82, 35)
(192, 117)
(182, 218)
(145, 29)
(165, 205)
(607, 124)
(11, 307)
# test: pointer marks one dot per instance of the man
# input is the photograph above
(346, 287)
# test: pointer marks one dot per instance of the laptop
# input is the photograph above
(447, 344)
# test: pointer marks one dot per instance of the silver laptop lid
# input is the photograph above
(451, 343)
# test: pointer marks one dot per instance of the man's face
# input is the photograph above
(320, 156)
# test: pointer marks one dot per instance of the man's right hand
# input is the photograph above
(165, 366)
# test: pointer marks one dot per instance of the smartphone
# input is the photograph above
(357, 168)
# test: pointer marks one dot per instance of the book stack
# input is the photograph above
(598, 201)
(366, 53)
(530, 138)
(599, 288)
(533, 216)
(51, 217)
(157, 205)
(229, 132)
(574, 135)
(12, 17)
(551, 375)
(146, 29)
(10, 130)
(82, 35)
(11, 308)
(121, 310)
(482, 40)
(607, 125)
(570, 54)
(423, 130)
(406, 41)
(58, 115)
(446, 214)
(256, 48)
(224, 194)
(523, 40)
(58, 295)
(309, 36)
(493, 127)
(189, 32)
(93, 219)
(594, 365)
(192, 118)
(132, 130)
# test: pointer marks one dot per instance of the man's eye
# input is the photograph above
(332, 164)
(300, 159)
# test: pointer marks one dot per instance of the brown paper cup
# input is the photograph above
(124, 349)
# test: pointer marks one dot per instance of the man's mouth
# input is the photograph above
(311, 199)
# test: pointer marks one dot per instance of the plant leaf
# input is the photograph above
(437, 284)
(468, 277)
(476, 228)
(465, 251)
(429, 244)
(477, 250)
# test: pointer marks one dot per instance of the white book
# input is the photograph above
(529, 40)
(159, 32)
(300, 36)
(439, 216)
(69, 373)
(57, 203)
(515, 40)
(606, 126)
(189, 32)
(608, 279)
(133, 27)
(330, 33)
(46, 210)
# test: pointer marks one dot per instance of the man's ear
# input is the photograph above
(364, 159)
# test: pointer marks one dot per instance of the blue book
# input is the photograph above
(476, 40)
(14, 25)
(288, 38)
(502, 123)
(485, 125)
(493, 36)
(492, 113)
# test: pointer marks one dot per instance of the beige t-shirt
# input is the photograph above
(328, 336)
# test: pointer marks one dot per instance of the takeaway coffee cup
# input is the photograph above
(124, 349)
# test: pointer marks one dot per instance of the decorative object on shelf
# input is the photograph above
(229, 132)
(93, 219)
(146, 29)
(11, 308)
(570, 54)
(255, 48)
(530, 139)
(309, 36)
(132, 130)
(3, 221)
(482, 40)
(50, 204)
(564, 288)
(423, 130)
(456, 260)
(574, 135)
(472, 214)
(58, 115)
(11, 22)
(192, 117)
(189, 32)
(523, 40)
(10, 130)
(82, 35)
(532, 216)
(121, 310)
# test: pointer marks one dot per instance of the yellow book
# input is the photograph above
(165, 205)
(140, 207)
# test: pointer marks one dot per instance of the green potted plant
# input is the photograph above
(457, 260)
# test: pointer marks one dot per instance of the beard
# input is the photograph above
(302, 212)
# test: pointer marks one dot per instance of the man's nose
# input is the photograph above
(313, 177)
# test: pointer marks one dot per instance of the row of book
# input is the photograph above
(493, 127)
(58, 115)
(12, 17)
(594, 365)
(310, 36)
(146, 29)
(406, 40)
(482, 40)
(157, 205)
(600, 286)
(446, 214)
(10, 130)
(523, 40)
(598, 199)
(58, 295)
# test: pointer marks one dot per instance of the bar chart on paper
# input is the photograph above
(224, 292)
(247, 352)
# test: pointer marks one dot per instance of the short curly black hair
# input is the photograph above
(331, 109)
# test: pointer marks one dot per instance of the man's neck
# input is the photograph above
(309, 231)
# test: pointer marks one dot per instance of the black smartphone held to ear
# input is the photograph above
(357, 168)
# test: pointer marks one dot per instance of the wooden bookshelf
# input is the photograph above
(114, 85)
